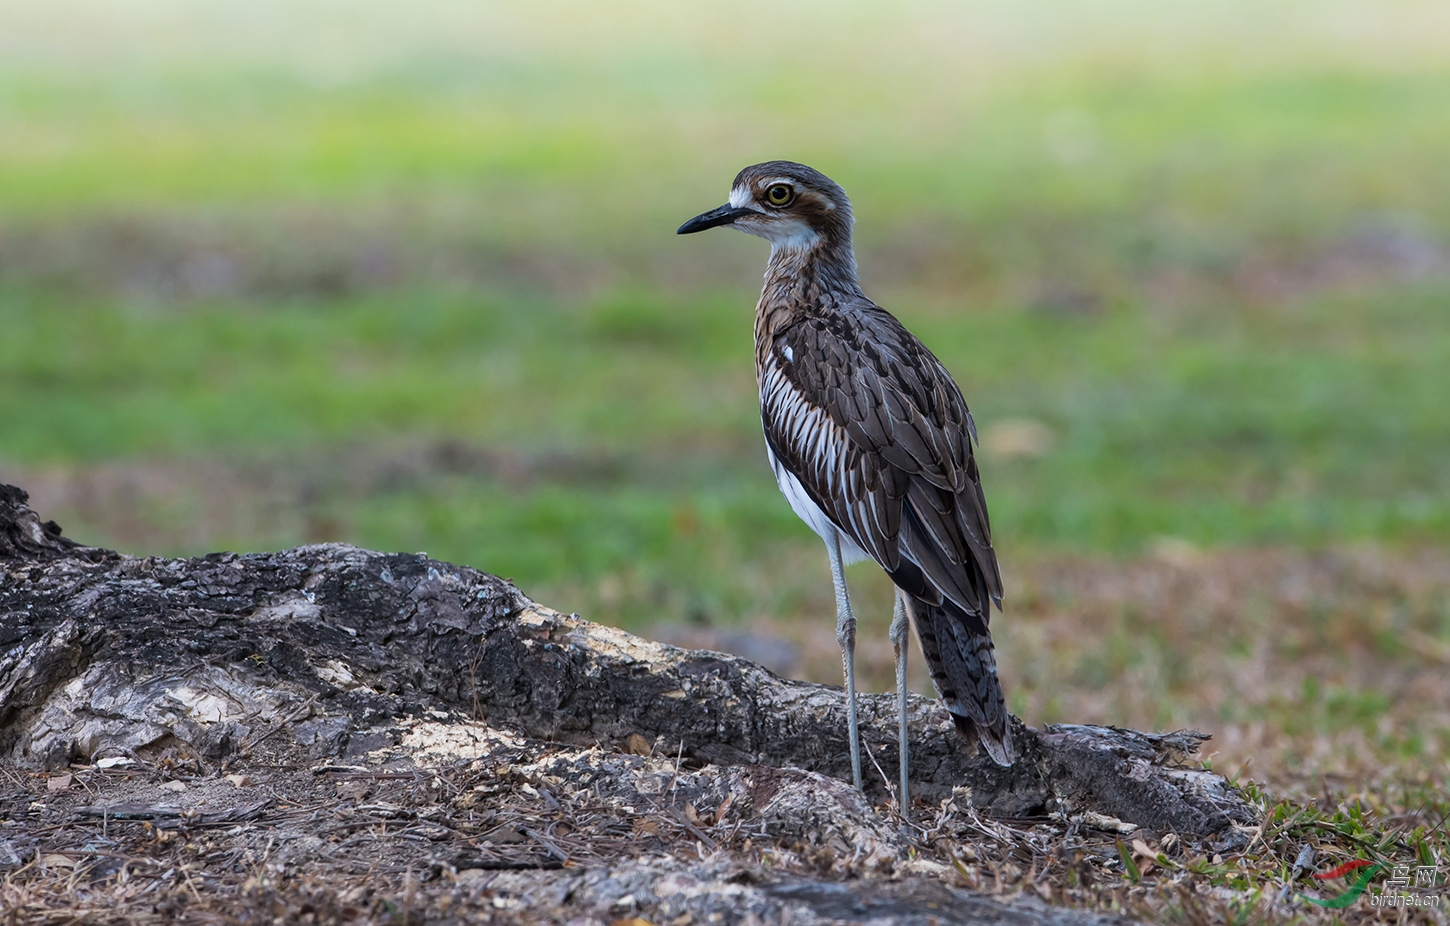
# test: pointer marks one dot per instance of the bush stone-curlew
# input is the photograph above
(871, 443)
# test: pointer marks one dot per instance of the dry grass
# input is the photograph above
(1302, 664)
(1321, 676)
(1307, 667)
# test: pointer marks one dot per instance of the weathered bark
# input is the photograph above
(330, 652)
(22, 534)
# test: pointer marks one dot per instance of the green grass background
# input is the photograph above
(1204, 244)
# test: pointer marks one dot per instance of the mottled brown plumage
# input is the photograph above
(865, 423)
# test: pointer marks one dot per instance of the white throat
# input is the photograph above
(791, 237)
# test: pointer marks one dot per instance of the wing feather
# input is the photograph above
(877, 433)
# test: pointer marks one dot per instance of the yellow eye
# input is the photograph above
(779, 194)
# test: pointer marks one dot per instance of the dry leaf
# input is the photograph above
(58, 861)
(173, 785)
(58, 782)
(724, 807)
(504, 834)
(353, 790)
(1105, 822)
(646, 827)
(637, 745)
(241, 781)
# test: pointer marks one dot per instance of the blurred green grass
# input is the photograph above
(1203, 247)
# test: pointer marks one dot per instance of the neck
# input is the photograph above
(801, 280)
(804, 272)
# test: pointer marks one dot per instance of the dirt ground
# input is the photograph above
(467, 824)
(566, 835)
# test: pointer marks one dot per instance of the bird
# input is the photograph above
(870, 441)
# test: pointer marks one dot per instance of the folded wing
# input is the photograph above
(879, 435)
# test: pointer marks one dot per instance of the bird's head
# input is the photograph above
(788, 204)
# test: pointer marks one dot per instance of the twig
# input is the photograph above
(544, 841)
(887, 781)
(694, 830)
(675, 780)
(191, 884)
(510, 864)
(252, 744)
(473, 682)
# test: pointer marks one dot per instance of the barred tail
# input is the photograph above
(964, 669)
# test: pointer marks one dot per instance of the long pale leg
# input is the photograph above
(900, 642)
(846, 636)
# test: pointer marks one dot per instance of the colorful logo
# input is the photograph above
(1396, 887)
(1350, 896)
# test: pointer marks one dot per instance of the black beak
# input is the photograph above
(725, 215)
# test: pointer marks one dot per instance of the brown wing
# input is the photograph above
(877, 432)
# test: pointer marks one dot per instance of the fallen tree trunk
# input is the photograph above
(333, 654)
